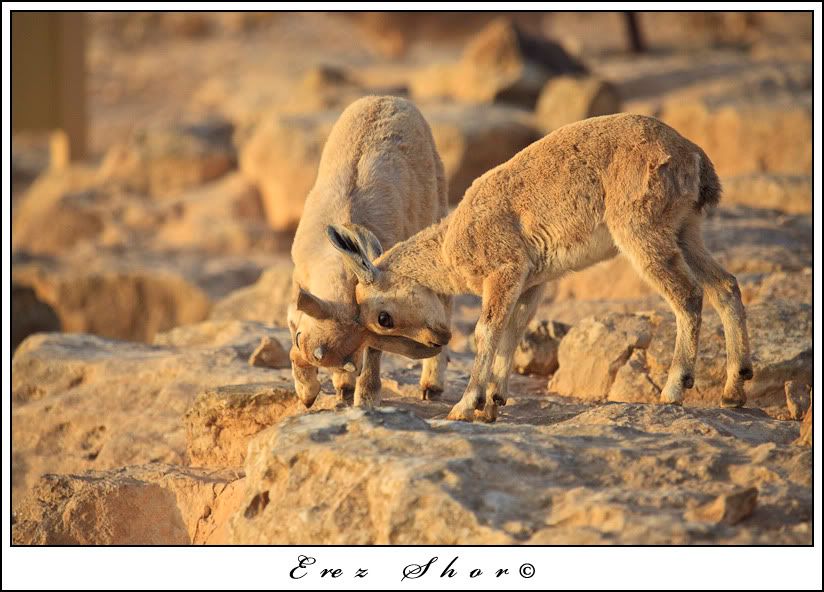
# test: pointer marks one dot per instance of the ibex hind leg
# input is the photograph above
(656, 255)
(723, 293)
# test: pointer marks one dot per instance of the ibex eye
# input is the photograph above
(385, 320)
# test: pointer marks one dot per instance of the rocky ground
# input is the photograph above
(151, 395)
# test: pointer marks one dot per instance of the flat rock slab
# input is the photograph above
(616, 473)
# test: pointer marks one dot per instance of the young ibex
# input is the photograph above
(379, 176)
(583, 193)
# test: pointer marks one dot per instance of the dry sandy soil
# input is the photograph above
(151, 395)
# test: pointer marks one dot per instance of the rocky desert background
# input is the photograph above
(152, 399)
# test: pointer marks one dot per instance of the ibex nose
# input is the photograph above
(440, 338)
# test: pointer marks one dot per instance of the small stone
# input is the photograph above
(729, 509)
(269, 354)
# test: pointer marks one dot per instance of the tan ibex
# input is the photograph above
(583, 193)
(379, 176)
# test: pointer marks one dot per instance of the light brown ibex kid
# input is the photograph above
(620, 183)
(379, 176)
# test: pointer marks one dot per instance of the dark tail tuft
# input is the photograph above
(709, 190)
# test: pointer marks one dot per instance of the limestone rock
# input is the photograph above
(269, 354)
(281, 158)
(598, 356)
(743, 136)
(502, 63)
(566, 99)
(266, 301)
(134, 294)
(794, 286)
(593, 351)
(243, 337)
(537, 352)
(57, 212)
(82, 402)
(632, 383)
(473, 139)
(153, 504)
(163, 162)
(222, 217)
(727, 509)
(29, 315)
(611, 474)
(792, 194)
(221, 421)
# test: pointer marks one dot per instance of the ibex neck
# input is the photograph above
(421, 258)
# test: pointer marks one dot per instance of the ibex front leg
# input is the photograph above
(501, 291)
(368, 385)
(498, 387)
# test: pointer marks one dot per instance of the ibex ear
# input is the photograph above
(402, 345)
(358, 247)
(367, 240)
(314, 306)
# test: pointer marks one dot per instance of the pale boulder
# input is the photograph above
(58, 212)
(164, 162)
(153, 504)
(537, 352)
(133, 295)
(503, 63)
(472, 139)
(747, 136)
(566, 99)
(626, 357)
(265, 301)
(593, 351)
(792, 194)
(281, 157)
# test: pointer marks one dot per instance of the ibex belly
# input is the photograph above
(558, 259)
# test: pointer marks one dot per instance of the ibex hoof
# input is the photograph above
(499, 399)
(672, 396)
(488, 415)
(461, 414)
(345, 395)
(431, 393)
(732, 402)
